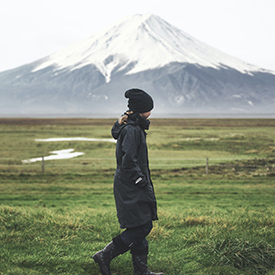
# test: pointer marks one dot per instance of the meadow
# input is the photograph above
(218, 222)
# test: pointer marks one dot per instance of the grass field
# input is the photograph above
(219, 223)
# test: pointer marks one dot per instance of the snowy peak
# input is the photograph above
(183, 75)
(148, 42)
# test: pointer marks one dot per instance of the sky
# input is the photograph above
(33, 29)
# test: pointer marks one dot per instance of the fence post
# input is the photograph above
(206, 168)
(42, 165)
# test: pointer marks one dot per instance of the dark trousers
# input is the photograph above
(135, 238)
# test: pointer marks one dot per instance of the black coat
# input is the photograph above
(133, 188)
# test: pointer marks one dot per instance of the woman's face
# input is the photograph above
(145, 115)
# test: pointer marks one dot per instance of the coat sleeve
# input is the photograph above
(130, 165)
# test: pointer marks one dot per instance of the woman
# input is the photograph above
(133, 188)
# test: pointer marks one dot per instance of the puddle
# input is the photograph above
(59, 154)
(194, 139)
(76, 139)
(66, 153)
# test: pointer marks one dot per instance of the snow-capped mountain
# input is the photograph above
(146, 41)
(182, 74)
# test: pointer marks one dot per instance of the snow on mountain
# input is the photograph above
(182, 74)
(147, 41)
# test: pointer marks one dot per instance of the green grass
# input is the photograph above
(219, 224)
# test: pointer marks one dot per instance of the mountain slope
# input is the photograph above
(182, 73)
(146, 41)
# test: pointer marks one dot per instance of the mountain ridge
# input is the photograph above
(169, 43)
(182, 73)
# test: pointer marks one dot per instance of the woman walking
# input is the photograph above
(133, 189)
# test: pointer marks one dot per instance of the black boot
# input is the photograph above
(112, 250)
(139, 258)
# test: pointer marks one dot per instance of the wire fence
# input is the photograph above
(254, 166)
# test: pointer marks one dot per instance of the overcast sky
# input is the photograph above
(32, 29)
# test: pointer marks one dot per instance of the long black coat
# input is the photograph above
(133, 188)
